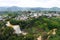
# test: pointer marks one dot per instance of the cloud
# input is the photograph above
(30, 3)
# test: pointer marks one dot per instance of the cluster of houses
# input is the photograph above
(24, 17)
(2, 18)
(42, 14)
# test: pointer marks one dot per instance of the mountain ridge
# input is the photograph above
(15, 8)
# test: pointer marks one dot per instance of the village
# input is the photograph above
(26, 16)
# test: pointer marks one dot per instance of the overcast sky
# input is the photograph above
(31, 3)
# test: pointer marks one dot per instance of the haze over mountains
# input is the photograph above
(15, 8)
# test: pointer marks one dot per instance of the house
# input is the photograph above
(56, 14)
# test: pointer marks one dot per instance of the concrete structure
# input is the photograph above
(39, 38)
(16, 28)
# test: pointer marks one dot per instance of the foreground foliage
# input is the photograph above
(34, 27)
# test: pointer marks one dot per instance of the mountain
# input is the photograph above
(39, 8)
(3, 8)
(15, 8)
(54, 9)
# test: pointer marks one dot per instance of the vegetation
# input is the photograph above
(33, 26)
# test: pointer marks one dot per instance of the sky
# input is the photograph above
(31, 3)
